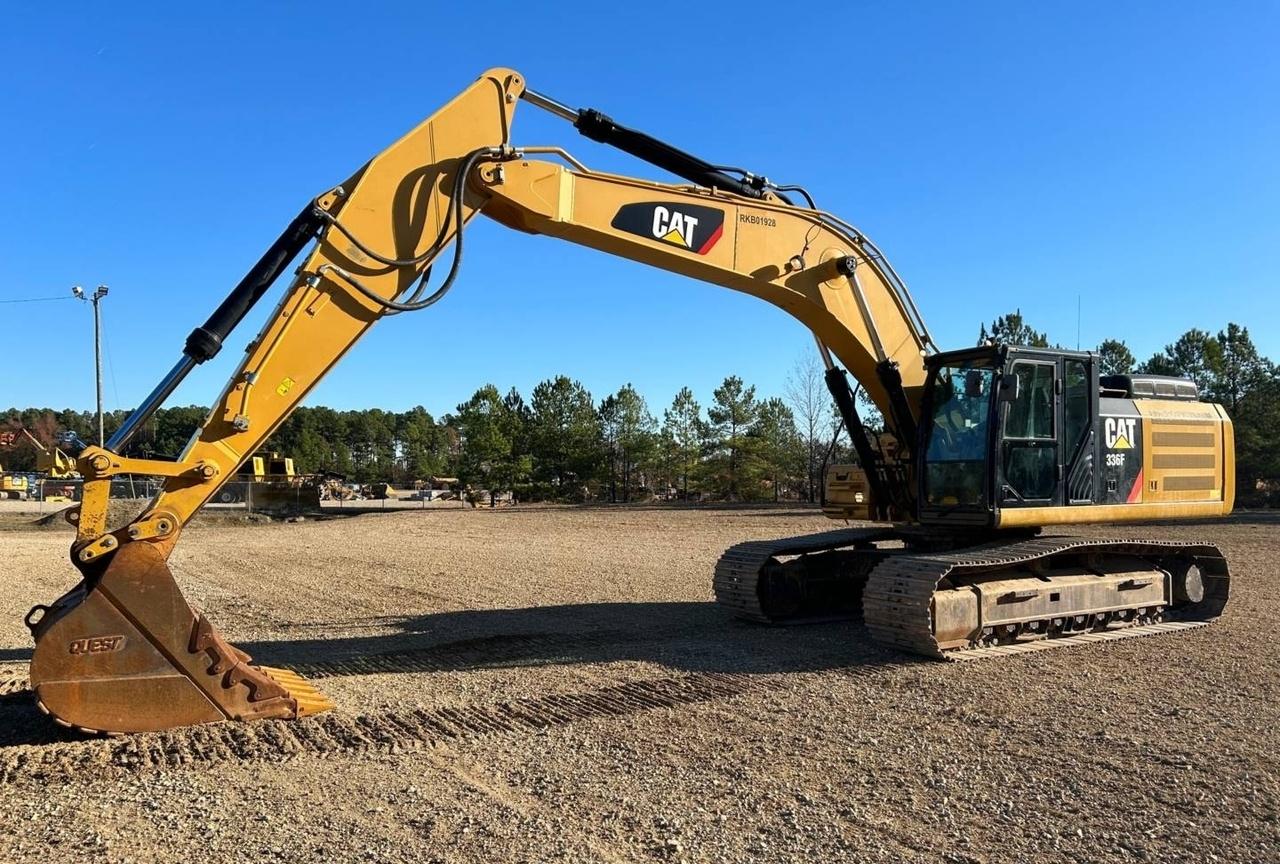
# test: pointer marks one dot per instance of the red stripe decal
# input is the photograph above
(711, 241)
(1136, 492)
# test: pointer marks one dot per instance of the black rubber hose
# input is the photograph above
(456, 199)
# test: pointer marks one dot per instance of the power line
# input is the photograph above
(37, 299)
(111, 367)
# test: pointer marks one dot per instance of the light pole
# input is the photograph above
(101, 292)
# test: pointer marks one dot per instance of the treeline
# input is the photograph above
(561, 443)
(1227, 368)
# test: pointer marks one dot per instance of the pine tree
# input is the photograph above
(1239, 369)
(1010, 329)
(1196, 355)
(683, 428)
(733, 411)
(488, 461)
(1114, 358)
(565, 437)
(636, 438)
(779, 447)
(419, 444)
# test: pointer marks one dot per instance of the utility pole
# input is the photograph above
(101, 292)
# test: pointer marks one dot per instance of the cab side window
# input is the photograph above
(1030, 447)
(1031, 413)
(1077, 405)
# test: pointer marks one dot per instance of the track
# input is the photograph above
(736, 582)
(897, 598)
(897, 602)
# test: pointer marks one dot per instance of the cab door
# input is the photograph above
(1079, 425)
(1031, 434)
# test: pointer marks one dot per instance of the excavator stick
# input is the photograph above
(125, 653)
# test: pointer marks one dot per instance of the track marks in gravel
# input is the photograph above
(488, 651)
(397, 730)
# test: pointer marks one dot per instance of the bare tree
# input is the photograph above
(810, 401)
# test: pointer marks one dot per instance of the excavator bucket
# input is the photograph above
(127, 654)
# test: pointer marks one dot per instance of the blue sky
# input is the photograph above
(1002, 155)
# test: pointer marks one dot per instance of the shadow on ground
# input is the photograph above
(683, 637)
(686, 637)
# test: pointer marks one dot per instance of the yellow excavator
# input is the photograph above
(988, 445)
(14, 487)
(51, 460)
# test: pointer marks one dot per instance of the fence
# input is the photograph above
(281, 497)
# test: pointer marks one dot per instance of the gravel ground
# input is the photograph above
(545, 684)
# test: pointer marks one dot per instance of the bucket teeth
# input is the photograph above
(309, 698)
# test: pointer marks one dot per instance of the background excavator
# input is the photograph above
(983, 446)
(51, 461)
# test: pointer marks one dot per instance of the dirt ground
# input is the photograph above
(542, 684)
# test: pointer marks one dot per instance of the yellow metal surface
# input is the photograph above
(395, 204)
(91, 515)
(12, 483)
(51, 460)
(1030, 517)
(782, 254)
(96, 463)
(269, 466)
(309, 697)
(846, 493)
(1184, 457)
(1228, 460)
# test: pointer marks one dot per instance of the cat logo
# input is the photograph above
(686, 226)
(674, 227)
(1119, 432)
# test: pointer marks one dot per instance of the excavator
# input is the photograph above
(983, 447)
(52, 461)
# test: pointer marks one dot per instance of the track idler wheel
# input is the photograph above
(1188, 583)
(127, 654)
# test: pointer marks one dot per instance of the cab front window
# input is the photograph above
(956, 457)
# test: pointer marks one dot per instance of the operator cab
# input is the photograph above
(1005, 427)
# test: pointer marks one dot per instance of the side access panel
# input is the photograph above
(1121, 430)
